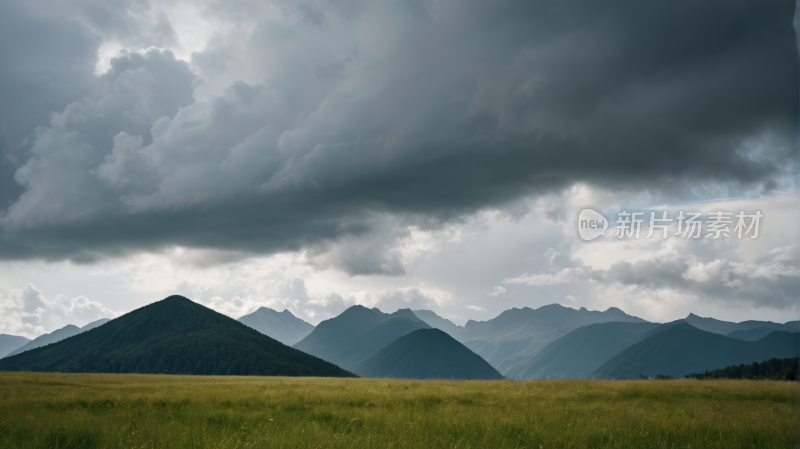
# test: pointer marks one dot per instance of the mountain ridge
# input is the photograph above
(580, 352)
(678, 350)
(357, 333)
(172, 336)
(725, 327)
(57, 335)
(435, 321)
(426, 354)
(282, 326)
(512, 337)
(10, 343)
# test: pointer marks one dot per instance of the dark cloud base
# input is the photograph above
(476, 105)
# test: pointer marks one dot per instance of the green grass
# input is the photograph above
(46, 410)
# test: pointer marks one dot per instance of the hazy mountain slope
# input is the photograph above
(677, 324)
(795, 325)
(679, 351)
(332, 334)
(282, 326)
(579, 353)
(516, 334)
(752, 334)
(426, 354)
(435, 321)
(357, 333)
(172, 336)
(726, 327)
(9, 343)
(57, 335)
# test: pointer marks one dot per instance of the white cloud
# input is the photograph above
(28, 313)
(498, 290)
(564, 276)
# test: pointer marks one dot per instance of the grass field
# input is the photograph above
(109, 410)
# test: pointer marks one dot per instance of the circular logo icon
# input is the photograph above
(590, 224)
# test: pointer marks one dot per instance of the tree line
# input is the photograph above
(773, 369)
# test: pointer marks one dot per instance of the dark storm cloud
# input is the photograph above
(48, 52)
(415, 110)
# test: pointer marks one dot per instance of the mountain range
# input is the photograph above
(9, 343)
(557, 341)
(726, 327)
(357, 333)
(426, 354)
(510, 340)
(435, 321)
(178, 336)
(579, 353)
(57, 335)
(172, 336)
(678, 349)
(282, 326)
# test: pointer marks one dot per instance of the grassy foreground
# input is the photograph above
(150, 411)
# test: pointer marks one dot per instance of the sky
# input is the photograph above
(424, 154)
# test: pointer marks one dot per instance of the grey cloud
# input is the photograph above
(48, 60)
(444, 108)
(772, 281)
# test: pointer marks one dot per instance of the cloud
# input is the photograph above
(382, 112)
(498, 290)
(28, 313)
(562, 277)
(769, 281)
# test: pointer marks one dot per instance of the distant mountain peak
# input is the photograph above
(57, 335)
(282, 326)
(357, 333)
(551, 306)
(404, 312)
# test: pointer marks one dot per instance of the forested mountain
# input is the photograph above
(774, 369)
(579, 353)
(282, 326)
(57, 335)
(172, 336)
(357, 333)
(9, 343)
(426, 354)
(679, 350)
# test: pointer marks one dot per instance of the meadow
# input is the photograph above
(50, 410)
